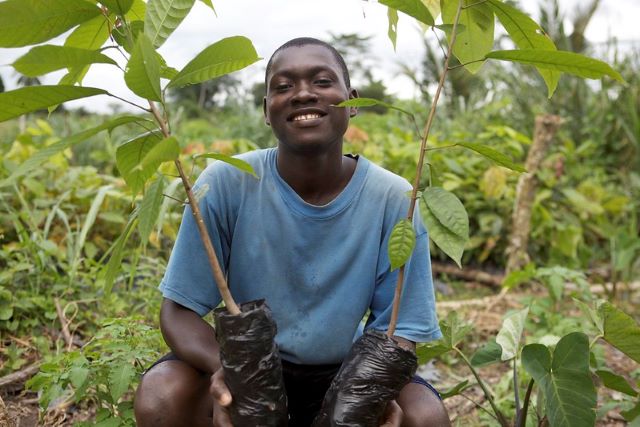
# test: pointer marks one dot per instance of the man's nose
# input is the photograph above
(304, 93)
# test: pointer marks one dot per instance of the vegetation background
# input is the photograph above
(89, 343)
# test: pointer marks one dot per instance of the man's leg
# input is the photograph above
(174, 394)
(422, 407)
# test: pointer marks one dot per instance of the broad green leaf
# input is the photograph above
(509, 335)
(120, 7)
(455, 390)
(143, 70)
(392, 30)
(453, 329)
(41, 156)
(491, 154)
(150, 208)
(565, 381)
(26, 22)
(166, 150)
(414, 8)
(370, 102)
(621, 330)
(120, 378)
(488, 354)
(448, 209)
(526, 34)
(78, 375)
(209, 4)
(632, 414)
(616, 382)
(401, 243)
(431, 350)
(163, 17)
(223, 57)
(568, 62)
(476, 41)
(233, 161)
(48, 58)
(448, 242)
(131, 155)
(91, 34)
(114, 265)
(137, 12)
(32, 98)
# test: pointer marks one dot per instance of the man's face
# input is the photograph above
(303, 84)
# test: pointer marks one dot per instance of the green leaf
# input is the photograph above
(488, 354)
(32, 98)
(632, 414)
(392, 30)
(120, 7)
(448, 242)
(455, 390)
(509, 335)
(568, 62)
(526, 34)
(581, 202)
(209, 4)
(223, 57)
(616, 382)
(233, 161)
(621, 330)
(26, 22)
(430, 351)
(476, 40)
(453, 329)
(120, 377)
(565, 381)
(78, 375)
(143, 70)
(137, 12)
(370, 102)
(401, 243)
(414, 8)
(491, 154)
(448, 209)
(138, 159)
(593, 314)
(41, 156)
(114, 265)
(91, 35)
(163, 17)
(150, 208)
(48, 58)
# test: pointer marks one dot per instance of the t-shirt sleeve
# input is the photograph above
(188, 279)
(418, 320)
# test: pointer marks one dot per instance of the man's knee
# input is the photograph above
(422, 407)
(170, 394)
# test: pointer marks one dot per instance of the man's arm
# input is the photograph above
(189, 336)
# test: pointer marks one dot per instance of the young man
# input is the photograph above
(310, 236)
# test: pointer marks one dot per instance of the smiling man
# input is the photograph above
(310, 236)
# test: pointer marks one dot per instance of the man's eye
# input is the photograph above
(324, 82)
(282, 86)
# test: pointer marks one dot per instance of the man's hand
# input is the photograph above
(221, 400)
(392, 415)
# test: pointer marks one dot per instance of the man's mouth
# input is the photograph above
(306, 117)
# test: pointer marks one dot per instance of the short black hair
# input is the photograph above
(304, 41)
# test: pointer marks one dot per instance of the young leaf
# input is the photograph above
(476, 41)
(166, 150)
(150, 208)
(225, 56)
(91, 34)
(370, 102)
(616, 382)
(26, 22)
(455, 390)
(233, 161)
(137, 12)
(78, 375)
(453, 330)
(593, 314)
(41, 156)
(138, 159)
(568, 62)
(120, 7)
(431, 350)
(45, 59)
(494, 155)
(565, 381)
(163, 17)
(209, 4)
(448, 209)
(143, 70)
(448, 242)
(621, 330)
(392, 31)
(509, 335)
(414, 8)
(32, 98)
(526, 34)
(401, 243)
(119, 379)
(488, 354)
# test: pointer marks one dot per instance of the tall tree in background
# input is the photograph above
(206, 96)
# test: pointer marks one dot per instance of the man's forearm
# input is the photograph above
(189, 336)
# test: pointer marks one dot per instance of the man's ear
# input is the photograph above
(353, 110)
(264, 111)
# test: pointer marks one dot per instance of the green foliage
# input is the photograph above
(47, 58)
(401, 243)
(414, 8)
(233, 161)
(447, 221)
(621, 330)
(143, 70)
(163, 17)
(509, 335)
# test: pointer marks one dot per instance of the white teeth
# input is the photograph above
(306, 117)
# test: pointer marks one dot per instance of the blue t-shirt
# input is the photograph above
(320, 268)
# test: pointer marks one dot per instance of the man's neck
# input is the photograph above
(318, 178)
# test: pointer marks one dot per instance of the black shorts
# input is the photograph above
(306, 386)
